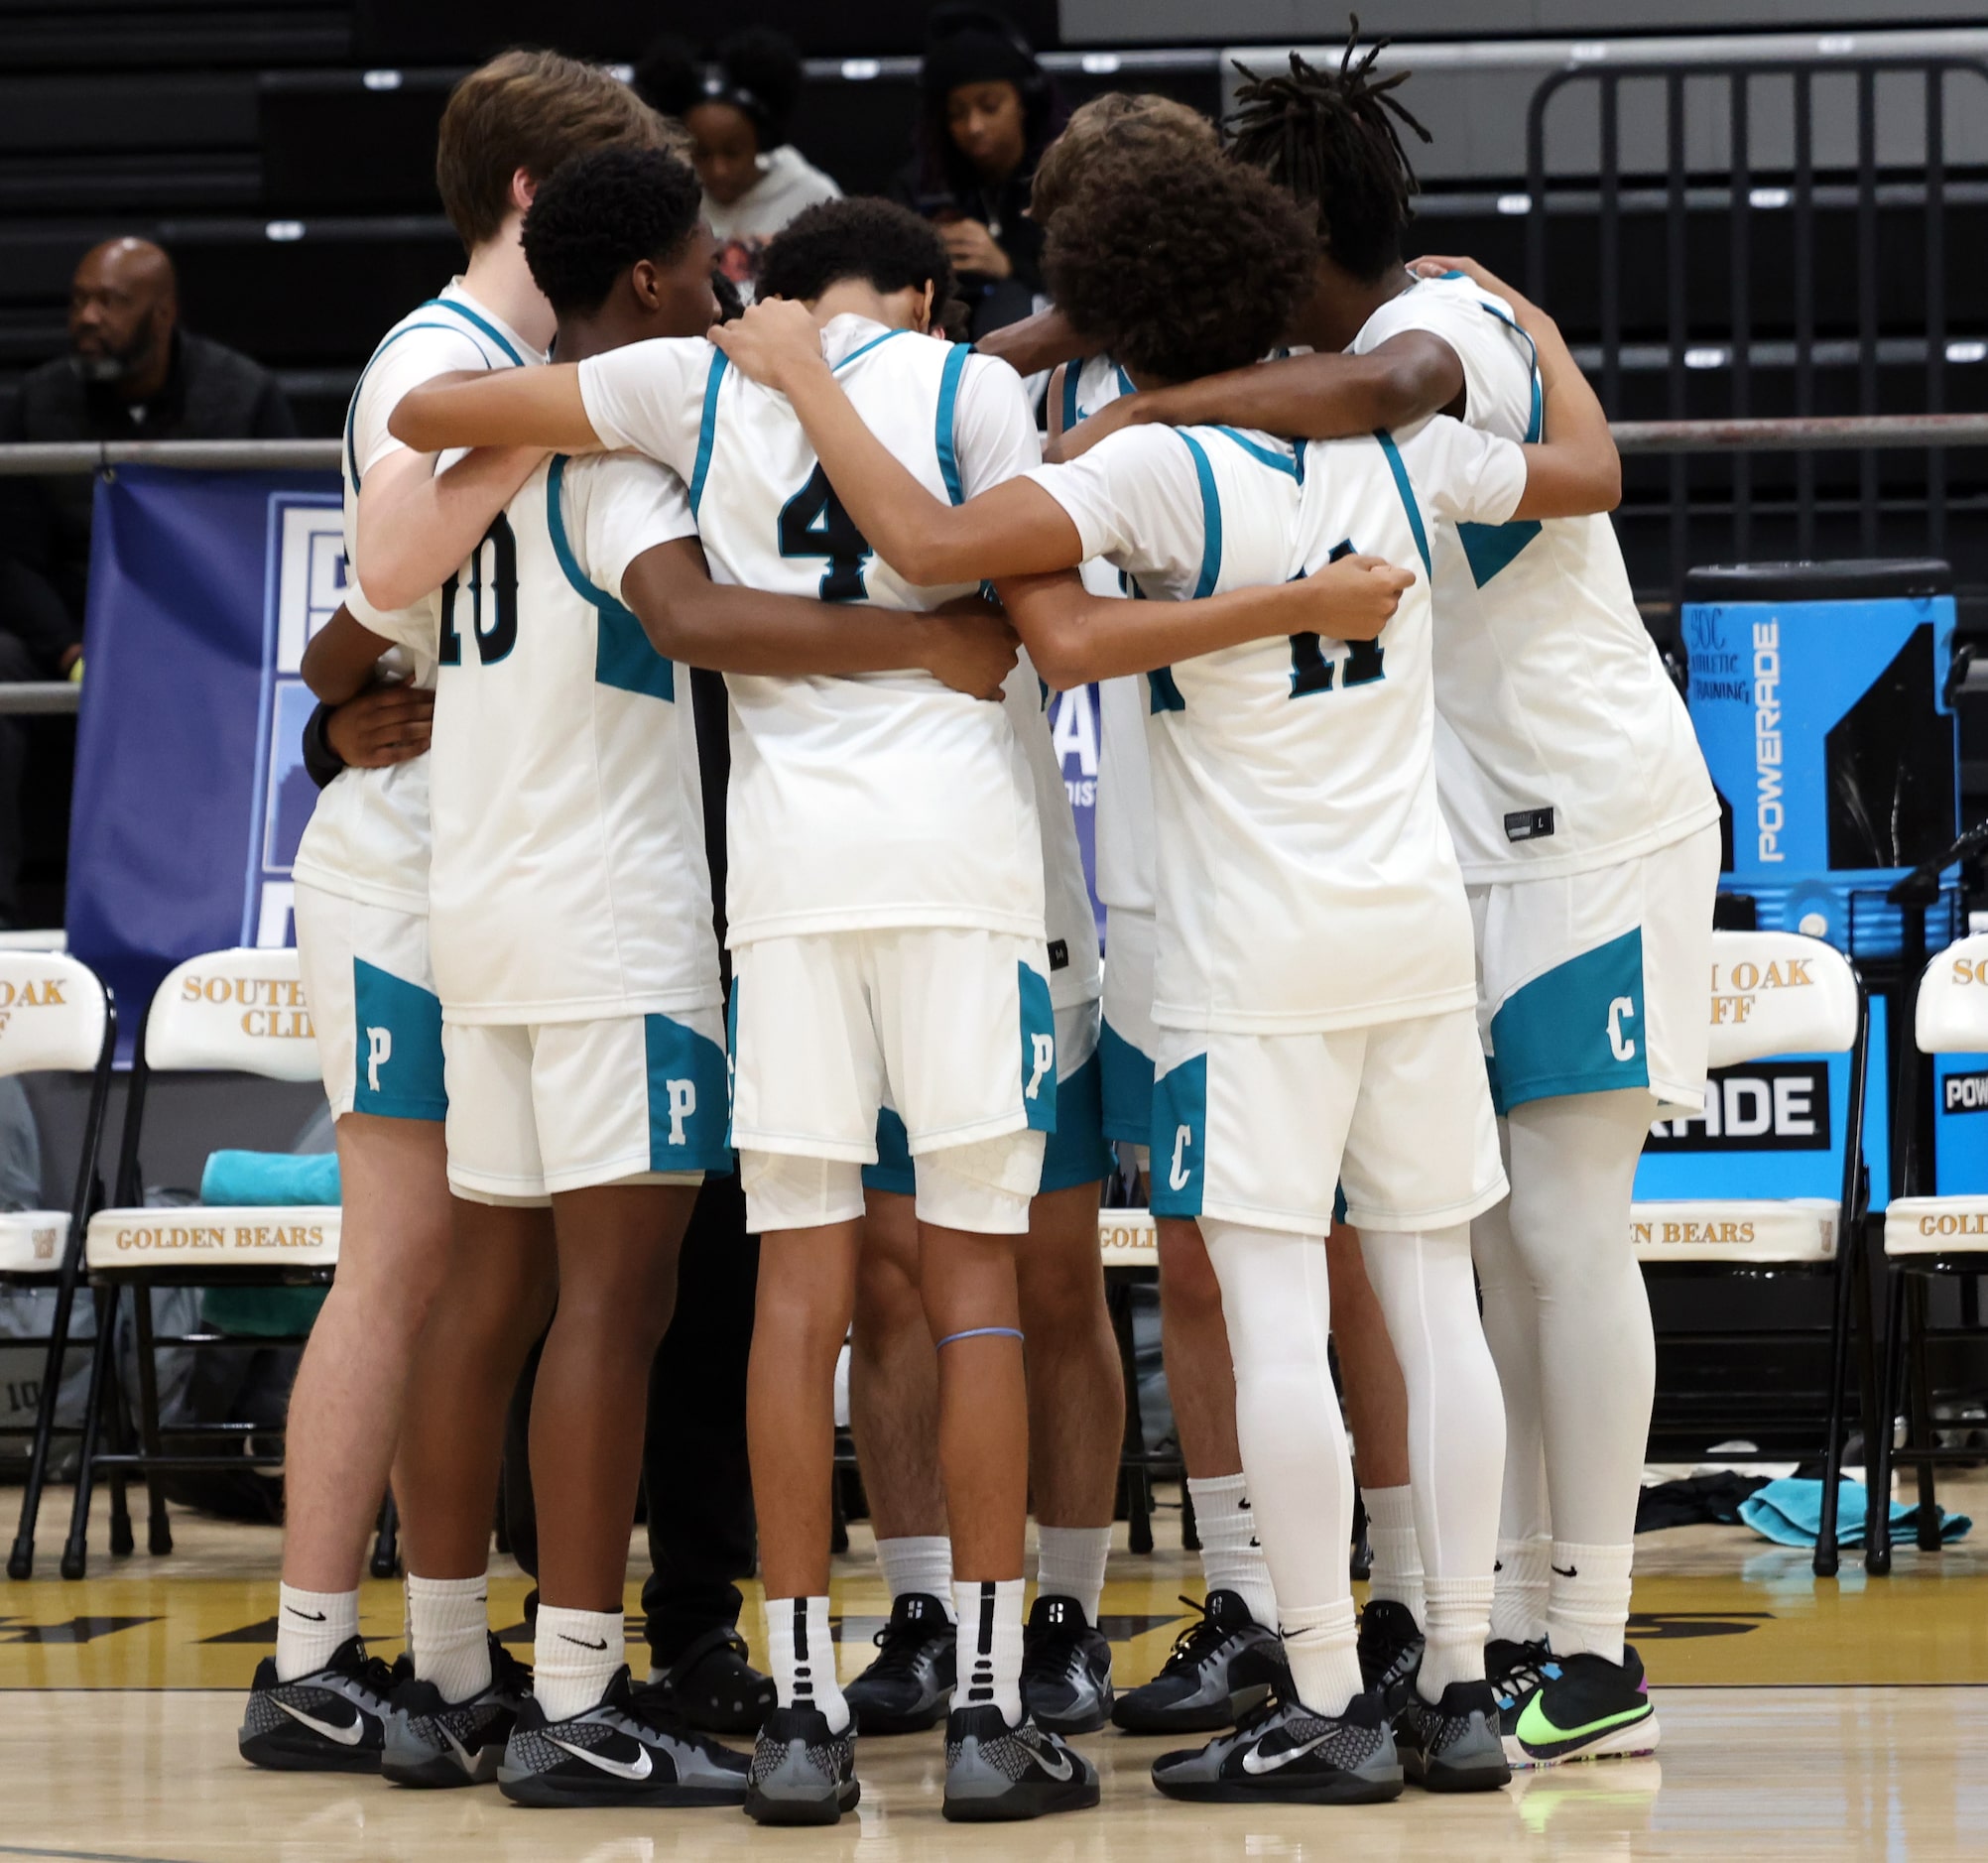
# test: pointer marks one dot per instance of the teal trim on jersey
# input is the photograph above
(1409, 504)
(1276, 461)
(1179, 1137)
(1536, 421)
(397, 1045)
(352, 406)
(1492, 547)
(1127, 1088)
(1211, 521)
(731, 1053)
(1039, 1049)
(484, 325)
(948, 399)
(873, 344)
(1077, 1152)
(1072, 372)
(707, 429)
(1124, 380)
(1578, 1028)
(622, 654)
(1162, 695)
(689, 1115)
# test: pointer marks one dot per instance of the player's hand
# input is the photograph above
(1080, 438)
(776, 339)
(970, 647)
(1352, 599)
(1435, 267)
(386, 724)
(974, 249)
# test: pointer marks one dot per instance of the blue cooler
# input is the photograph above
(1818, 695)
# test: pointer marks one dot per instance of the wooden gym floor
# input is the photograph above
(1801, 1718)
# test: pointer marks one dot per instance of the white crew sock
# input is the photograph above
(920, 1564)
(1519, 1599)
(1322, 1645)
(1459, 1621)
(449, 1634)
(989, 1612)
(573, 1659)
(1069, 1564)
(804, 1657)
(310, 1627)
(1231, 1559)
(1587, 1608)
(1396, 1573)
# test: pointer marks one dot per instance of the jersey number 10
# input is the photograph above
(500, 635)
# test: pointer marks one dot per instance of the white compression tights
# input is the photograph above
(1569, 1321)
(1278, 1312)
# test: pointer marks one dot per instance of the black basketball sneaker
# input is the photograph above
(713, 1687)
(1579, 1707)
(802, 1773)
(1066, 1668)
(1285, 1753)
(997, 1773)
(1223, 1666)
(628, 1749)
(1455, 1744)
(333, 1720)
(908, 1688)
(1391, 1646)
(434, 1742)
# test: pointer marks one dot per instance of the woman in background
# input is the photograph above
(737, 108)
(989, 111)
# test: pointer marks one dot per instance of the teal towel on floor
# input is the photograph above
(1790, 1513)
(265, 1177)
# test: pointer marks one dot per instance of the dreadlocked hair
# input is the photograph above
(1333, 140)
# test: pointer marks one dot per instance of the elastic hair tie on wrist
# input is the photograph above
(980, 1332)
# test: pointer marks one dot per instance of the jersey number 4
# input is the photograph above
(812, 523)
(1311, 672)
(497, 632)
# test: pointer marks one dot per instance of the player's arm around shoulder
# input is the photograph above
(537, 407)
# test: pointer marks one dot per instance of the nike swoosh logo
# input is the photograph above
(580, 1643)
(309, 1617)
(1058, 1765)
(348, 1735)
(461, 1752)
(1567, 1571)
(621, 1769)
(1536, 1729)
(1256, 1761)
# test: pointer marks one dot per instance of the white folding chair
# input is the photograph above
(54, 1016)
(239, 1011)
(1777, 993)
(1928, 1234)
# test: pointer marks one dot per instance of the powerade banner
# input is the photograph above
(191, 793)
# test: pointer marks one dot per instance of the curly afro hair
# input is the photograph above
(878, 241)
(598, 213)
(1332, 139)
(1180, 263)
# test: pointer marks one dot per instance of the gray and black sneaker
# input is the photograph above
(1223, 1666)
(1286, 1754)
(1066, 1668)
(996, 1774)
(802, 1772)
(430, 1741)
(330, 1721)
(1455, 1744)
(909, 1686)
(1391, 1646)
(628, 1749)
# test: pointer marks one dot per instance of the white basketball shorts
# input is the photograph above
(1598, 980)
(371, 990)
(568, 1105)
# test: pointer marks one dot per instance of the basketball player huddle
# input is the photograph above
(1407, 854)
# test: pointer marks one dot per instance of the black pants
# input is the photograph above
(694, 1473)
(17, 664)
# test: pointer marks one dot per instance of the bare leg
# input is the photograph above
(894, 1378)
(346, 1408)
(503, 1278)
(1376, 1398)
(1200, 1377)
(807, 1294)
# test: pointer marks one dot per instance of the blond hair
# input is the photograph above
(1118, 120)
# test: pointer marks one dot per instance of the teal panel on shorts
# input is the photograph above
(1077, 1152)
(893, 1169)
(688, 1113)
(1179, 1137)
(398, 1031)
(1039, 1049)
(1578, 1029)
(1128, 1089)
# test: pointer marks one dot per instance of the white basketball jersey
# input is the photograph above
(1076, 973)
(568, 880)
(1124, 820)
(1562, 744)
(885, 800)
(1305, 879)
(368, 837)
